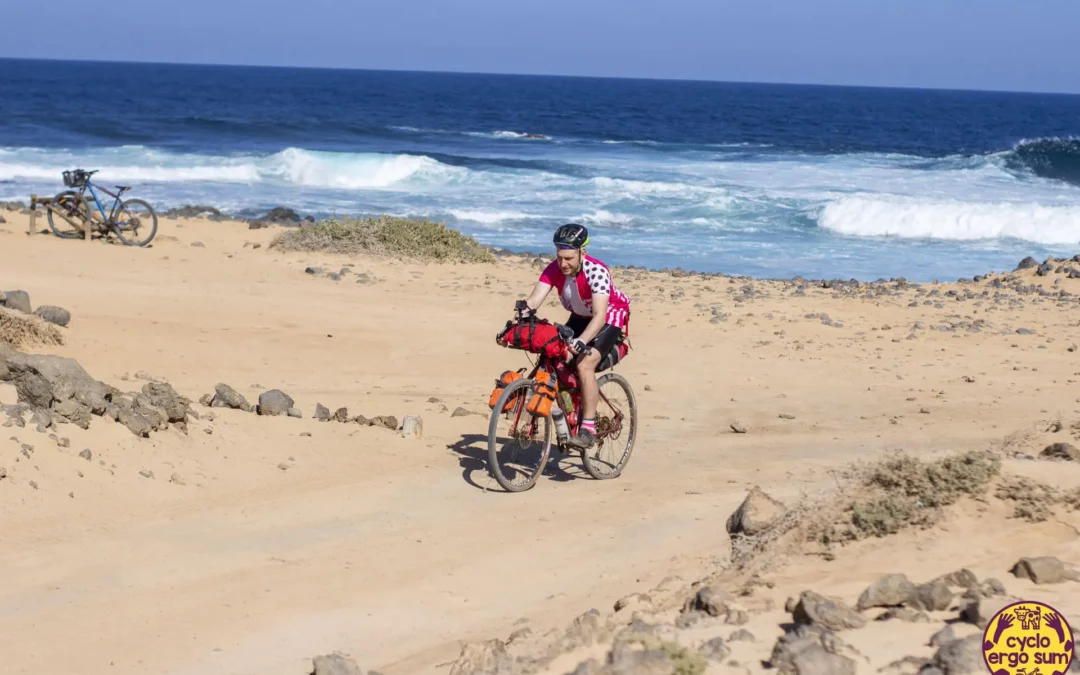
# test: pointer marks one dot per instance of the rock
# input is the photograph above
(194, 211)
(785, 416)
(909, 665)
(482, 659)
(412, 425)
(135, 422)
(146, 474)
(162, 396)
(711, 601)
(738, 427)
(980, 609)
(198, 244)
(341, 415)
(963, 578)
(176, 479)
(86, 454)
(1061, 451)
(274, 402)
(385, 421)
(931, 597)
(943, 636)
(18, 300)
(1044, 269)
(295, 412)
(888, 591)
(758, 513)
(904, 614)
(281, 214)
(742, 635)
(816, 610)
(322, 413)
(806, 650)
(42, 381)
(227, 397)
(461, 412)
(73, 412)
(715, 649)
(1045, 570)
(1027, 263)
(156, 417)
(587, 629)
(56, 315)
(633, 601)
(961, 657)
(335, 664)
(207, 400)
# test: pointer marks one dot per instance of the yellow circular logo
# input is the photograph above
(1028, 638)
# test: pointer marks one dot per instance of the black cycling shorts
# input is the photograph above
(604, 342)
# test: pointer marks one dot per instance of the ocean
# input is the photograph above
(745, 179)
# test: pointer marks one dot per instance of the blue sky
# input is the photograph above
(969, 44)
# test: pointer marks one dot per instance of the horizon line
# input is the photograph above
(550, 75)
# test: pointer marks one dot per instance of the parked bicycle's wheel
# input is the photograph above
(73, 213)
(518, 443)
(136, 223)
(616, 428)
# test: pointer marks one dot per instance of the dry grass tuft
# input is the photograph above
(1033, 500)
(410, 238)
(19, 329)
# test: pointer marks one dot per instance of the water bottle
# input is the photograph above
(562, 431)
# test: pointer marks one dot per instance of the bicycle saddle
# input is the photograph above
(123, 188)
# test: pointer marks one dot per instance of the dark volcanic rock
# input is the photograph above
(274, 402)
(817, 610)
(56, 315)
(18, 300)
(889, 591)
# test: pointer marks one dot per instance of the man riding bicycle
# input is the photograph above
(599, 316)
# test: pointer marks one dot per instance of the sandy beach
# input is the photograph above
(251, 544)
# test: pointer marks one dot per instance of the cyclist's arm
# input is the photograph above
(538, 295)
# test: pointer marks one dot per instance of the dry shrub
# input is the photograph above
(1033, 500)
(411, 238)
(19, 329)
(1071, 499)
(901, 492)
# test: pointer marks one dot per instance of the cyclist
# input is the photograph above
(599, 315)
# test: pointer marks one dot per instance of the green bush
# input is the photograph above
(410, 238)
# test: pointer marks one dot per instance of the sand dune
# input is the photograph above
(281, 538)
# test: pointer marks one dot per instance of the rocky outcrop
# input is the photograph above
(59, 389)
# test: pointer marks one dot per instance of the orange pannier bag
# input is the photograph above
(543, 394)
(505, 380)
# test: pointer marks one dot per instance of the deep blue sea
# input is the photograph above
(764, 180)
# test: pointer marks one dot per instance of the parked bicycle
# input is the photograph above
(530, 405)
(133, 220)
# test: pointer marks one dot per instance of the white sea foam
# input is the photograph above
(291, 166)
(910, 218)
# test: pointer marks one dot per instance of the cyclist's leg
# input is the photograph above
(590, 391)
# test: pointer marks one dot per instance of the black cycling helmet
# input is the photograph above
(572, 236)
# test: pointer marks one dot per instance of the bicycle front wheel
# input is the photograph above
(616, 428)
(136, 224)
(518, 448)
(72, 216)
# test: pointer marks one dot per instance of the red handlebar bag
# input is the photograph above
(538, 337)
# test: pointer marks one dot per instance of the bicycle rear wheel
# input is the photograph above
(136, 224)
(616, 428)
(518, 448)
(68, 224)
